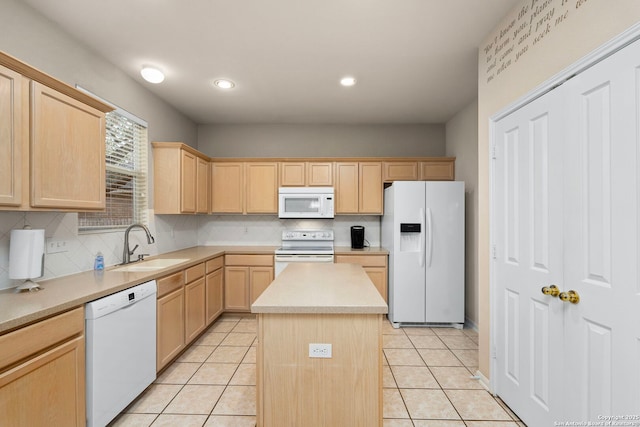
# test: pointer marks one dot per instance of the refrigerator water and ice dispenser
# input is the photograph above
(410, 237)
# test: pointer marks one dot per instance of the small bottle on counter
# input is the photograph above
(99, 262)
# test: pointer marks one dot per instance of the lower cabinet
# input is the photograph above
(42, 373)
(214, 292)
(194, 302)
(246, 277)
(170, 314)
(374, 265)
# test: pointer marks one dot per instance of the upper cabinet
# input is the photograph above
(358, 188)
(244, 187)
(12, 138)
(261, 180)
(306, 174)
(227, 187)
(425, 169)
(180, 179)
(52, 142)
(438, 169)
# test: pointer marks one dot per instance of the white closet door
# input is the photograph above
(528, 237)
(602, 332)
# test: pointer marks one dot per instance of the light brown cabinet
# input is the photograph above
(431, 169)
(374, 265)
(194, 302)
(170, 333)
(42, 373)
(306, 174)
(358, 188)
(244, 187)
(400, 171)
(246, 277)
(438, 169)
(261, 183)
(13, 138)
(214, 289)
(52, 142)
(227, 187)
(180, 179)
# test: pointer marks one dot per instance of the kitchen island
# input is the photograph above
(320, 303)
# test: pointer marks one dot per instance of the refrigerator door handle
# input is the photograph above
(422, 255)
(430, 242)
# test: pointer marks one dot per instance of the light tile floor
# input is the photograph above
(427, 381)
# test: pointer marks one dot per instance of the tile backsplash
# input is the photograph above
(171, 232)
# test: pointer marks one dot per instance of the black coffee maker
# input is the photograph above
(357, 237)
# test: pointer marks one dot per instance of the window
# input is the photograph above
(126, 171)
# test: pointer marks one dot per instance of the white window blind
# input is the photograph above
(126, 175)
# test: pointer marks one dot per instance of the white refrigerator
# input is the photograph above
(423, 230)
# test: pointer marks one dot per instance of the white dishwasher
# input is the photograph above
(120, 350)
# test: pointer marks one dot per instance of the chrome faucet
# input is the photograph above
(126, 253)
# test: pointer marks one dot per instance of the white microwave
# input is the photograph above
(305, 202)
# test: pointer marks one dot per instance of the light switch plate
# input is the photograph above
(320, 350)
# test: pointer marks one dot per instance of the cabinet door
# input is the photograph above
(320, 174)
(202, 186)
(194, 306)
(371, 188)
(55, 380)
(214, 295)
(11, 137)
(292, 174)
(170, 324)
(187, 182)
(346, 188)
(236, 288)
(379, 278)
(227, 187)
(438, 170)
(400, 171)
(67, 152)
(262, 187)
(261, 278)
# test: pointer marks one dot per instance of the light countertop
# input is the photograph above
(64, 293)
(321, 288)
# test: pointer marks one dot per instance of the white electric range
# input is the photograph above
(304, 246)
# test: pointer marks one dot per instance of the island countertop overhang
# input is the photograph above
(321, 288)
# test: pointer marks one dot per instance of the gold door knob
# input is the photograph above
(570, 296)
(551, 290)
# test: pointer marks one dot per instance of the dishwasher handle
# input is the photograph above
(114, 302)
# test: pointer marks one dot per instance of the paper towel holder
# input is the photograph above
(15, 252)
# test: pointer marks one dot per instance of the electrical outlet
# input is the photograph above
(57, 246)
(320, 350)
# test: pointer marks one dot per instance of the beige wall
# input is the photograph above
(294, 140)
(462, 143)
(575, 28)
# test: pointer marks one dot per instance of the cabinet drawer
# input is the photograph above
(170, 283)
(266, 260)
(363, 260)
(193, 273)
(214, 264)
(29, 340)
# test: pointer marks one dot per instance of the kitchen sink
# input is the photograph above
(152, 265)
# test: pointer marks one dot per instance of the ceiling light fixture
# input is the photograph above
(224, 84)
(152, 75)
(348, 81)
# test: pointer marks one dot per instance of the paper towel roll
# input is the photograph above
(26, 254)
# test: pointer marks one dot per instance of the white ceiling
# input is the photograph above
(415, 60)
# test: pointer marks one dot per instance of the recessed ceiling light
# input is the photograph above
(348, 81)
(224, 84)
(152, 75)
